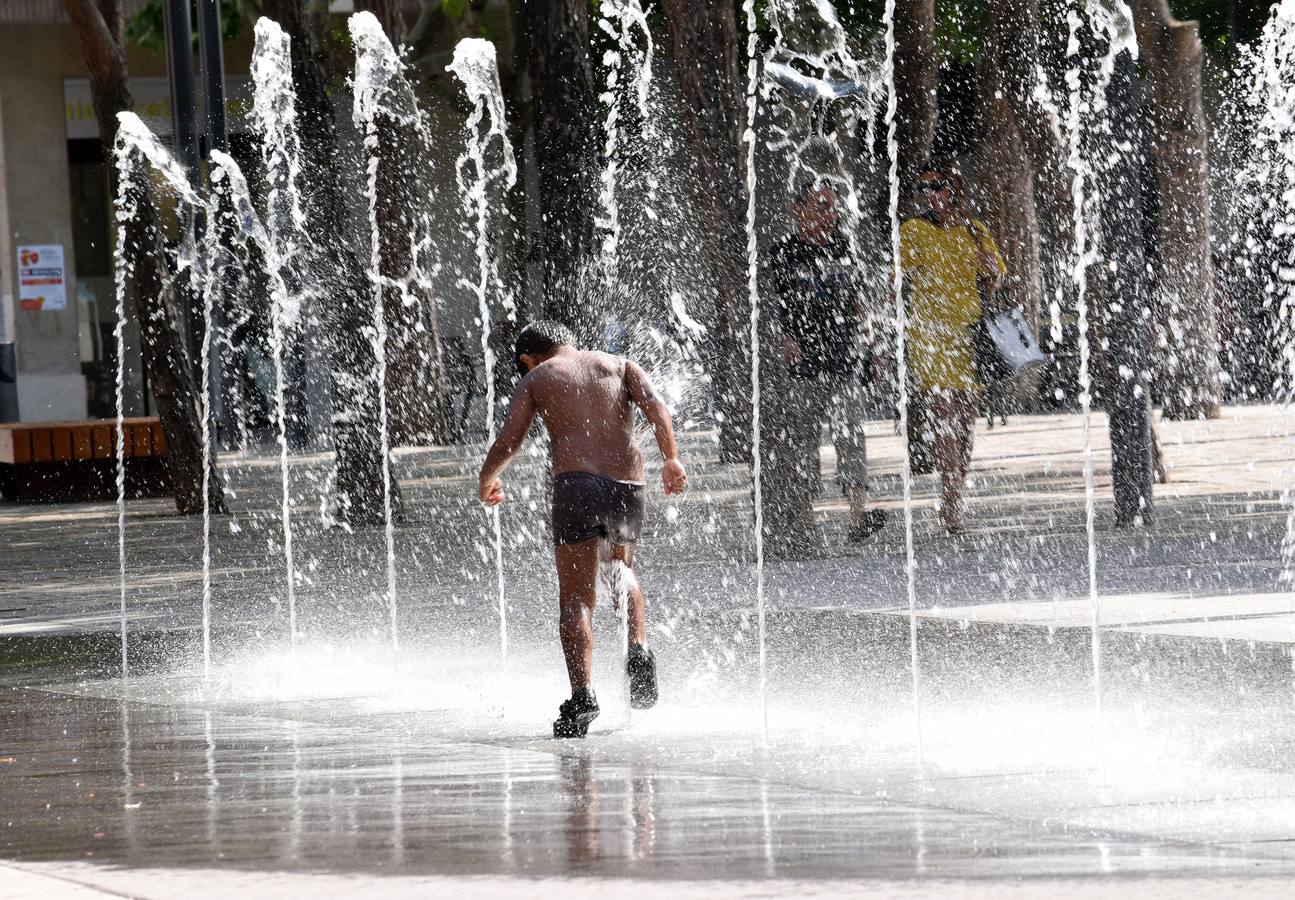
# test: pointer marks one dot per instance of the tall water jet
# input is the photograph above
(136, 145)
(378, 75)
(211, 276)
(1268, 182)
(753, 295)
(901, 365)
(274, 112)
(124, 211)
(475, 66)
(227, 178)
(619, 19)
(1111, 23)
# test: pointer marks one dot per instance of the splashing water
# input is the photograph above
(378, 91)
(227, 176)
(753, 294)
(475, 66)
(1269, 185)
(901, 367)
(1111, 23)
(135, 143)
(619, 19)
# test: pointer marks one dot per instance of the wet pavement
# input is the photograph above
(345, 770)
(158, 789)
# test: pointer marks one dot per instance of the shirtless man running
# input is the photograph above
(586, 399)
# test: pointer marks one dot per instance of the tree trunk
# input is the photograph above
(916, 73)
(1023, 162)
(566, 153)
(416, 393)
(705, 48)
(348, 310)
(99, 28)
(916, 109)
(1189, 368)
(1125, 300)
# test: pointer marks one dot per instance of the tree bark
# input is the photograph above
(1189, 367)
(348, 310)
(1023, 160)
(916, 79)
(99, 26)
(916, 75)
(1120, 287)
(705, 50)
(566, 152)
(416, 393)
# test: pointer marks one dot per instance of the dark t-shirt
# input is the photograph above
(814, 289)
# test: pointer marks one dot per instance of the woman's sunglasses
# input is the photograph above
(935, 187)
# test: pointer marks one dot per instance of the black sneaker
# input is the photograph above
(641, 668)
(873, 521)
(574, 715)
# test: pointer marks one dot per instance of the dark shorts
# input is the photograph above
(590, 506)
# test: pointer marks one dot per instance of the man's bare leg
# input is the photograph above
(634, 593)
(640, 661)
(577, 590)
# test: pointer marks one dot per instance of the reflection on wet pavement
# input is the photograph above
(142, 785)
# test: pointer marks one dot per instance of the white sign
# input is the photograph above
(41, 281)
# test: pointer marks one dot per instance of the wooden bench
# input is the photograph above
(60, 461)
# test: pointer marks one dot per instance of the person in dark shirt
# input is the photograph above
(818, 298)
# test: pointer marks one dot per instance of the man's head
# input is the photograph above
(815, 212)
(941, 187)
(538, 341)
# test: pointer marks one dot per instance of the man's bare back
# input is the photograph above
(585, 398)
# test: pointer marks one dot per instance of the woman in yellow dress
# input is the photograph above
(949, 259)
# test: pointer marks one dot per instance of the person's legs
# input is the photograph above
(847, 414)
(640, 662)
(809, 411)
(954, 413)
(577, 590)
(944, 416)
(624, 553)
(966, 421)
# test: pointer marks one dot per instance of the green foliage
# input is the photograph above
(958, 29)
(1215, 18)
(147, 28)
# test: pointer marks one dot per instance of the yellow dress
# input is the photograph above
(940, 266)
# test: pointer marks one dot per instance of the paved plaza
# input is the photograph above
(343, 768)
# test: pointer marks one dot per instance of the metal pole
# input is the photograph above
(184, 115)
(212, 55)
(212, 60)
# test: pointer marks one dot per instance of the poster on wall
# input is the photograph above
(41, 283)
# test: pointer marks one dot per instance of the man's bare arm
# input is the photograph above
(509, 440)
(640, 390)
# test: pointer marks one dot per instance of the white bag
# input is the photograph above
(1014, 341)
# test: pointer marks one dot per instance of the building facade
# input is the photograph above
(57, 304)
